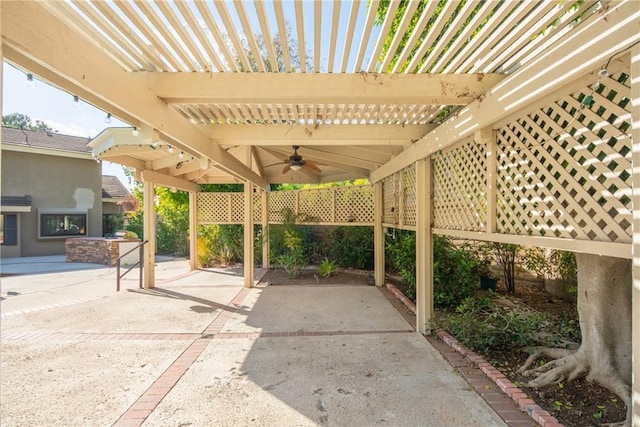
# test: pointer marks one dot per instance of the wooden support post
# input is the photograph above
(635, 296)
(378, 234)
(265, 230)
(193, 230)
(487, 137)
(149, 230)
(424, 252)
(248, 235)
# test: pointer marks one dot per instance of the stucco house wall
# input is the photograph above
(60, 183)
(55, 184)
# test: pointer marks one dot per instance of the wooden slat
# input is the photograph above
(450, 32)
(233, 35)
(402, 29)
(211, 24)
(504, 26)
(64, 12)
(528, 26)
(302, 51)
(249, 35)
(463, 38)
(266, 35)
(192, 52)
(382, 36)
(443, 17)
(317, 39)
(150, 56)
(158, 45)
(475, 45)
(410, 45)
(335, 21)
(348, 41)
(168, 37)
(192, 23)
(282, 29)
(112, 33)
(366, 33)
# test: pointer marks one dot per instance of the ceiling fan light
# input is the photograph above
(296, 167)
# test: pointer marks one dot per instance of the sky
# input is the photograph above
(56, 108)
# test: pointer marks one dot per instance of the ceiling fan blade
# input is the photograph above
(286, 169)
(312, 166)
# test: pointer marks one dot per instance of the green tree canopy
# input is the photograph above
(22, 121)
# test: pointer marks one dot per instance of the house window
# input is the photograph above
(9, 229)
(60, 224)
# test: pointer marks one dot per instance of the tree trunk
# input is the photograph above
(604, 307)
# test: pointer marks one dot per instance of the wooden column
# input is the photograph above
(424, 252)
(635, 296)
(265, 229)
(248, 235)
(378, 234)
(487, 136)
(149, 231)
(193, 230)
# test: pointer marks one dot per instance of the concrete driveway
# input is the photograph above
(202, 350)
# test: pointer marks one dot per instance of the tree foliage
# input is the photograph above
(22, 121)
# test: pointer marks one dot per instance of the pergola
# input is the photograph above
(485, 120)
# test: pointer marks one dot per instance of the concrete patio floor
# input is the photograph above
(201, 350)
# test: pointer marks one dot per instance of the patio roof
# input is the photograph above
(221, 91)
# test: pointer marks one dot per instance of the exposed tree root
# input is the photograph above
(570, 365)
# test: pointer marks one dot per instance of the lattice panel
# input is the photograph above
(279, 201)
(257, 208)
(409, 195)
(217, 208)
(390, 191)
(565, 171)
(459, 188)
(316, 204)
(354, 204)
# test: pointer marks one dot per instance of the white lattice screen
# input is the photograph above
(565, 170)
(390, 190)
(409, 196)
(349, 205)
(459, 188)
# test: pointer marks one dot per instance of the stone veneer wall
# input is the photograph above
(93, 250)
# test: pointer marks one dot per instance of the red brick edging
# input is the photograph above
(539, 415)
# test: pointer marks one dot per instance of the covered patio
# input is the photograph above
(512, 122)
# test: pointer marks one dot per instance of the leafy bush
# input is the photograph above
(455, 272)
(293, 260)
(401, 256)
(327, 267)
(483, 326)
(352, 247)
(219, 244)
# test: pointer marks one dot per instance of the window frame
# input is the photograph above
(64, 213)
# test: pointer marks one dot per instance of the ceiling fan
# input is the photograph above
(296, 162)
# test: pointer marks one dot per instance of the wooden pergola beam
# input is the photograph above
(318, 88)
(318, 134)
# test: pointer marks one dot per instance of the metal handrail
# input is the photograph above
(117, 261)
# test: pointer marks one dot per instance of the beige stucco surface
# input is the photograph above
(53, 182)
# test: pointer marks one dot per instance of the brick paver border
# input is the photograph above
(492, 385)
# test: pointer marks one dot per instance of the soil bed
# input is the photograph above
(311, 276)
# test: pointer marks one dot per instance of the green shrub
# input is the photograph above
(401, 256)
(455, 272)
(327, 267)
(481, 325)
(220, 244)
(352, 247)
